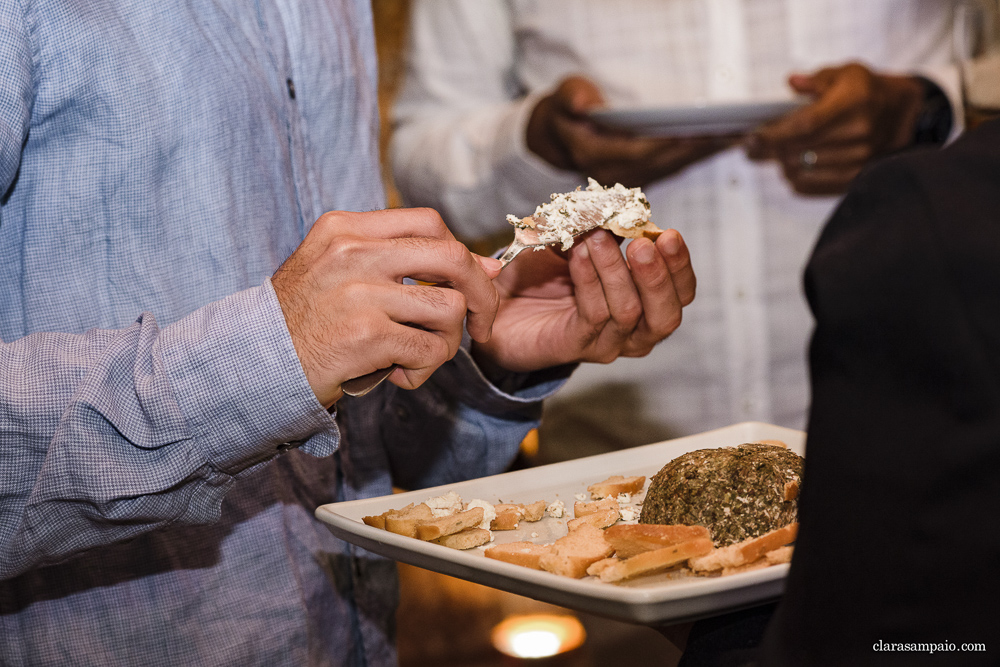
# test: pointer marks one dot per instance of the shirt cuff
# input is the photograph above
(515, 392)
(949, 79)
(240, 384)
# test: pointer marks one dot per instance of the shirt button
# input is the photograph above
(285, 446)
(291, 88)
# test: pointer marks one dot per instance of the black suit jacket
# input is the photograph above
(899, 540)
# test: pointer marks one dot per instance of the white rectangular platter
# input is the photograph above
(656, 599)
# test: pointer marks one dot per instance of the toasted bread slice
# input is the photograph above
(526, 554)
(583, 509)
(599, 519)
(595, 569)
(780, 555)
(758, 564)
(534, 511)
(465, 539)
(630, 539)
(615, 485)
(745, 552)
(647, 230)
(656, 560)
(446, 525)
(404, 521)
(572, 554)
(508, 516)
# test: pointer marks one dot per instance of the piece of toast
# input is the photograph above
(615, 485)
(508, 516)
(573, 553)
(647, 230)
(404, 521)
(745, 552)
(446, 525)
(465, 539)
(583, 509)
(630, 539)
(526, 554)
(655, 560)
(599, 519)
(534, 511)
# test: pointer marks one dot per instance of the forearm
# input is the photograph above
(109, 434)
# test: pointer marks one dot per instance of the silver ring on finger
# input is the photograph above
(808, 159)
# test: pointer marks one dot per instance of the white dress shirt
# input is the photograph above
(476, 69)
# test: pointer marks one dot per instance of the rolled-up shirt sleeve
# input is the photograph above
(111, 433)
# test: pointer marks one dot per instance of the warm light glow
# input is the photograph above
(538, 635)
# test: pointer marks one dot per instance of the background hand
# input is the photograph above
(561, 133)
(349, 312)
(857, 116)
(589, 304)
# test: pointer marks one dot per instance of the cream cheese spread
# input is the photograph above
(572, 213)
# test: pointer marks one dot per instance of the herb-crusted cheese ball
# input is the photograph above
(735, 492)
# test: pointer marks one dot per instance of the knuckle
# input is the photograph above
(457, 254)
(607, 355)
(331, 218)
(434, 350)
(365, 331)
(629, 312)
(671, 323)
(429, 218)
(452, 302)
(344, 250)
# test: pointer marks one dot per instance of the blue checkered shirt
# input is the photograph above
(158, 161)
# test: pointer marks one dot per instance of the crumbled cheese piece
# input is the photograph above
(556, 509)
(445, 505)
(533, 534)
(624, 498)
(629, 513)
(582, 497)
(571, 213)
(489, 513)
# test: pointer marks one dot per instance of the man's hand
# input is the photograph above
(563, 135)
(857, 116)
(349, 313)
(588, 304)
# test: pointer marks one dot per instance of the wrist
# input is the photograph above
(541, 137)
(906, 94)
